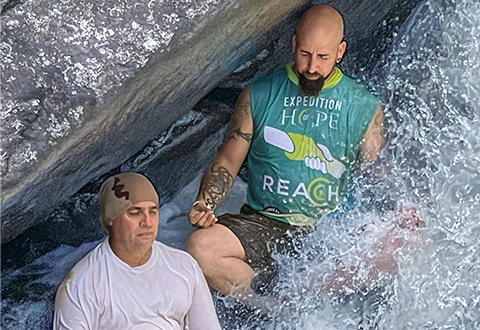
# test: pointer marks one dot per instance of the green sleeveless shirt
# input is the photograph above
(304, 147)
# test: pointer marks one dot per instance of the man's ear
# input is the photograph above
(342, 48)
(294, 43)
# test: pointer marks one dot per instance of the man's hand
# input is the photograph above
(407, 218)
(403, 234)
(382, 261)
(201, 215)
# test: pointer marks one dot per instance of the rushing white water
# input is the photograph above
(429, 83)
(431, 78)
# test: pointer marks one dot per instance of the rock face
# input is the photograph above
(55, 142)
(88, 84)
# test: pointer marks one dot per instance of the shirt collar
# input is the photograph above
(334, 79)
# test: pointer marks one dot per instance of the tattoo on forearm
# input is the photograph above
(216, 185)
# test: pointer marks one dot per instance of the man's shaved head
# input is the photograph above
(322, 19)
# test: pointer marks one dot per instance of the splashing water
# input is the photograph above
(432, 83)
(431, 93)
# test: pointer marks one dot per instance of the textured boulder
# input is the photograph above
(83, 94)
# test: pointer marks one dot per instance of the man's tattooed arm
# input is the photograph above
(242, 110)
(216, 185)
(219, 178)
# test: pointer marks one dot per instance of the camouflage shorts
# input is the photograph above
(262, 236)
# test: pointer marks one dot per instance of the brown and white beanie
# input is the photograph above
(120, 192)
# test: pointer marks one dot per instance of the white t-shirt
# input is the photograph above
(167, 292)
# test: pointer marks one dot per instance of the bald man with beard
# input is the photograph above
(303, 127)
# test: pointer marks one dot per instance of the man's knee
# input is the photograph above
(213, 243)
(200, 243)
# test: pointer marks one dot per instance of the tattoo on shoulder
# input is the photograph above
(216, 185)
(234, 130)
(243, 108)
(236, 133)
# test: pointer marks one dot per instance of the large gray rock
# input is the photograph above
(89, 85)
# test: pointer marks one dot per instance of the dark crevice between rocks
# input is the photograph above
(27, 285)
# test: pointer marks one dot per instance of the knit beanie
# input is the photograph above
(120, 192)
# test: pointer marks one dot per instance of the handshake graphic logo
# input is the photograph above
(302, 148)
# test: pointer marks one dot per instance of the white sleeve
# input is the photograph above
(71, 309)
(202, 315)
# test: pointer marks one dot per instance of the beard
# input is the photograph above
(311, 87)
